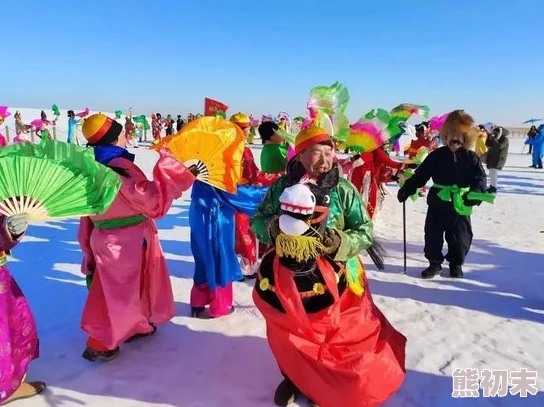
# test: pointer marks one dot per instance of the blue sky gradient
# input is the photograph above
(485, 56)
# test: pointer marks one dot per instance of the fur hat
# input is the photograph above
(457, 122)
(470, 139)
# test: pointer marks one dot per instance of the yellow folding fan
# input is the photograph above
(212, 144)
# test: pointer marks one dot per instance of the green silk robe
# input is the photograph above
(273, 158)
(347, 216)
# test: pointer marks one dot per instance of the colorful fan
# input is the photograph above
(406, 110)
(327, 105)
(288, 137)
(4, 113)
(368, 135)
(401, 114)
(142, 120)
(215, 146)
(380, 114)
(436, 122)
(331, 99)
(54, 180)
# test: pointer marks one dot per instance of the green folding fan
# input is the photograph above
(54, 180)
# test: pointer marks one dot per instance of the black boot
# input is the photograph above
(100, 356)
(196, 311)
(286, 393)
(456, 271)
(431, 271)
(492, 190)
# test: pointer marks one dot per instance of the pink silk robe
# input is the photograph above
(131, 285)
(18, 336)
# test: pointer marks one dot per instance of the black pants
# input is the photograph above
(442, 220)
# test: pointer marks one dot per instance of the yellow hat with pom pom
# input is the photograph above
(101, 129)
(310, 136)
(242, 120)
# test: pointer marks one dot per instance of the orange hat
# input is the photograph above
(310, 137)
(242, 120)
(100, 129)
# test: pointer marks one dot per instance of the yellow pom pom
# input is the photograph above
(264, 284)
(319, 288)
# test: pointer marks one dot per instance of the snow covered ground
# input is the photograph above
(492, 319)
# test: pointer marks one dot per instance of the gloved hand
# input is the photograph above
(16, 224)
(274, 228)
(331, 240)
(402, 196)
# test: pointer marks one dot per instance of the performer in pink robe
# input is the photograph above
(130, 291)
(18, 336)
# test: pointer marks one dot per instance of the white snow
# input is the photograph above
(492, 319)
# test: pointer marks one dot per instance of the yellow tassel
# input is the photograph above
(300, 248)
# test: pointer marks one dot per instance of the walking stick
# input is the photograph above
(404, 235)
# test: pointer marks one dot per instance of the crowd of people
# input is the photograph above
(296, 226)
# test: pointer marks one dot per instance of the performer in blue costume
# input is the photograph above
(211, 218)
(72, 124)
(538, 147)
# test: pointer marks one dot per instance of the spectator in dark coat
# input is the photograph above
(497, 154)
(179, 123)
(531, 134)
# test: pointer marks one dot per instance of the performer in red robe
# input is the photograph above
(424, 139)
(332, 344)
(246, 244)
(373, 162)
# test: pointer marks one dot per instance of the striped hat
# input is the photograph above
(242, 120)
(309, 137)
(100, 129)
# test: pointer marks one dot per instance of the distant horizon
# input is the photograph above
(264, 58)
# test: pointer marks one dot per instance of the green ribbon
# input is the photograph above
(119, 222)
(455, 194)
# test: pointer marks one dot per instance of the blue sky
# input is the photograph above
(485, 56)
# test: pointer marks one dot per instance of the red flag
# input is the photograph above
(211, 107)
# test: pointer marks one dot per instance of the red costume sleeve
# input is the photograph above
(382, 158)
(154, 198)
(252, 174)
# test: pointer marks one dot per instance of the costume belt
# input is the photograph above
(119, 222)
(456, 194)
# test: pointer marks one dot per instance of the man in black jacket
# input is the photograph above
(455, 172)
